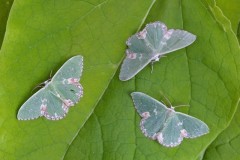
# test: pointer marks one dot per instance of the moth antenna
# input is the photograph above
(152, 67)
(50, 75)
(38, 86)
(41, 84)
(166, 99)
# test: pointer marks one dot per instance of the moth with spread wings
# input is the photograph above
(58, 95)
(149, 45)
(164, 124)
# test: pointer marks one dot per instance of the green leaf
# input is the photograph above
(238, 32)
(227, 144)
(5, 6)
(41, 35)
(230, 9)
(204, 75)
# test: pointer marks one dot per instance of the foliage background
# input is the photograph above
(39, 36)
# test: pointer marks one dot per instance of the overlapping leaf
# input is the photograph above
(231, 10)
(227, 144)
(5, 6)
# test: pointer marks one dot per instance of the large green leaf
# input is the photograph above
(40, 36)
(5, 6)
(205, 75)
(227, 144)
(231, 10)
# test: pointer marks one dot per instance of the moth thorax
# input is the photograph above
(172, 108)
(171, 112)
(156, 59)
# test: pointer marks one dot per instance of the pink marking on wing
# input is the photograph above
(128, 43)
(55, 117)
(142, 34)
(180, 139)
(43, 109)
(145, 115)
(184, 133)
(80, 87)
(79, 95)
(131, 55)
(73, 81)
(164, 27)
(65, 107)
(143, 129)
(154, 137)
(68, 102)
(168, 34)
(160, 137)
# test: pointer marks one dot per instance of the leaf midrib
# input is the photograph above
(107, 86)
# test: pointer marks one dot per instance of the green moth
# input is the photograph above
(149, 45)
(164, 124)
(61, 92)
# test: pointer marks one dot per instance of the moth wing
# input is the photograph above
(42, 103)
(152, 42)
(171, 136)
(31, 108)
(53, 107)
(66, 80)
(193, 126)
(153, 113)
(143, 48)
(132, 65)
(155, 34)
(149, 39)
(174, 40)
(71, 92)
(51, 103)
(70, 69)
